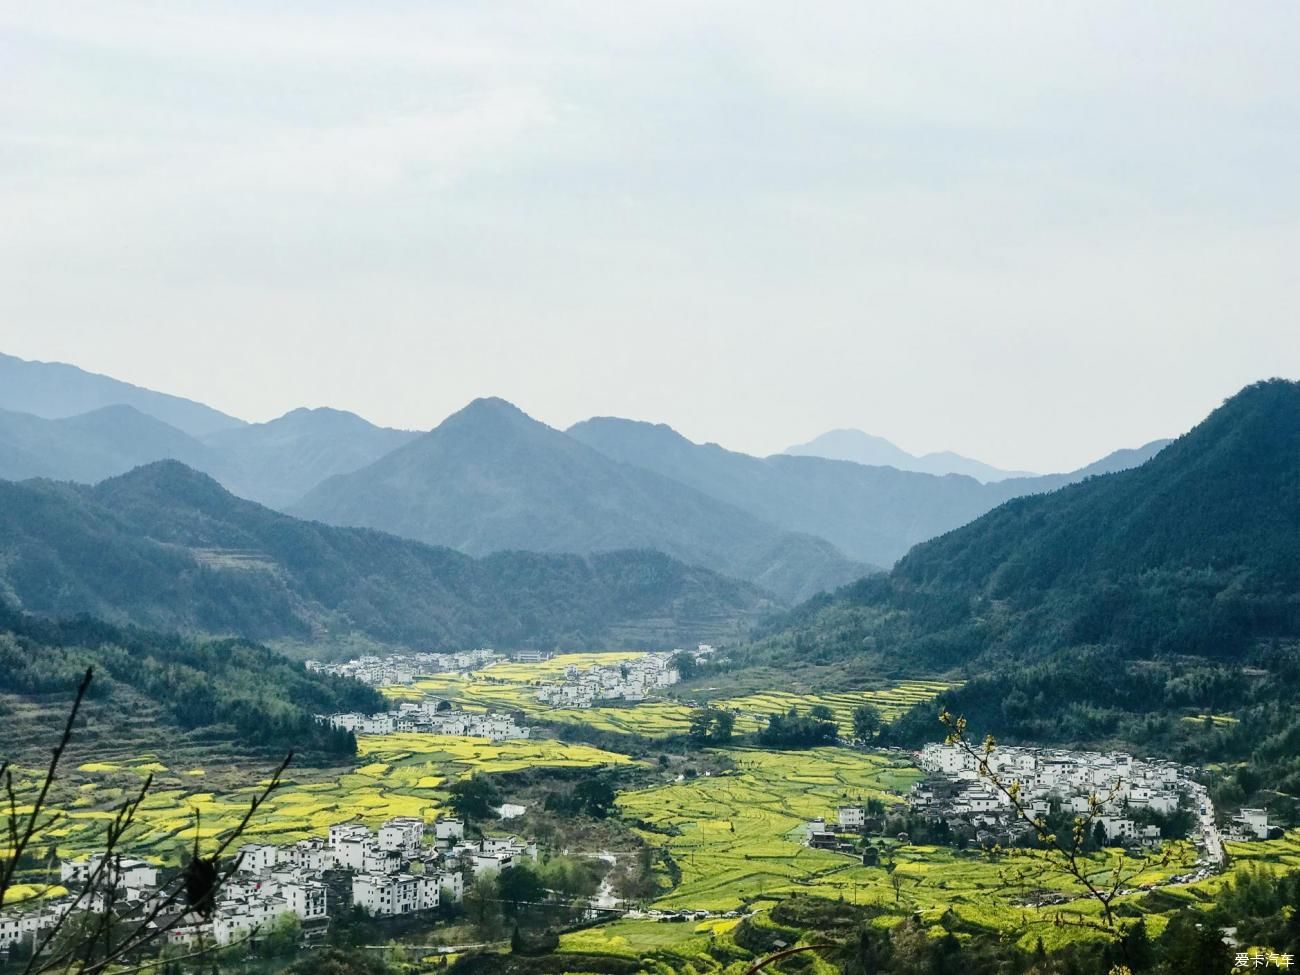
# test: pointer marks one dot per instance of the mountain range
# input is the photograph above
(490, 479)
(873, 514)
(865, 448)
(166, 547)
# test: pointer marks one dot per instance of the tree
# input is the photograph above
(282, 939)
(519, 886)
(595, 797)
(1099, 834)
(474, 798)
(710, 726)
(481, 904)
(821, 712)
(866, 722)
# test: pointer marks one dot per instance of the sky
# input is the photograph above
(1031, 233)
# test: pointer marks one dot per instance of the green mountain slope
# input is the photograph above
(490, 478)
(873, 513)
(156, 684)
(168, 548)
(1195, 552)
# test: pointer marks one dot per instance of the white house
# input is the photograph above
(851, 817)
(402, 833)
(257, 857)
(397, 894)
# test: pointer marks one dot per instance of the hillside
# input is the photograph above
(865, 448)
(168, 548)
(277, 462)
(156, 685)
(490, 478)
(54, 390)
(872, 513)
(1120, 609)
(1196, 551)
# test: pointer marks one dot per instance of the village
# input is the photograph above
(407, 867)
(403, 668)
(628, 680)
(1131, 802)
(430, 716)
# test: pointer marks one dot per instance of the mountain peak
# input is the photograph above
(861, 447)
(167, 481)
(489, 413)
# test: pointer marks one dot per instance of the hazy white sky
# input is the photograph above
(1027, 232)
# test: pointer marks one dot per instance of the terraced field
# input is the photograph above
(890, 701)
(736, 839)
(398, 775)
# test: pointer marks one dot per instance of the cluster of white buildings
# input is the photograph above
(393, 871)
(425, 716)
(628, 680)
(123, 883)
(403, 668)
(1050, 778)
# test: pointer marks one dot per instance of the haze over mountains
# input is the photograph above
(874, 514)
(491, 479)
(865, 448)
(55, 389)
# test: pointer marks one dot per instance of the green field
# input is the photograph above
(397, 775)
(510, 686)
(736, 839)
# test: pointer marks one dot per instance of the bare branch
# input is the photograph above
(22, 836)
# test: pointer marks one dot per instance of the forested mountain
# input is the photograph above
(276, 463)
(865, 448)
(92, 446)
(151, 685)
(874, 514)
(54, 390)
(1119, 608)
(1195, 552)
(490, 478)
(168, 548)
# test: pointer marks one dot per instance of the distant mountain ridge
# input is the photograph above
(791, 524)
(55, 390)
(861, 447)
(875, 514)
(166, 547)
(277, 462)
(273, 463)
(491, 478)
